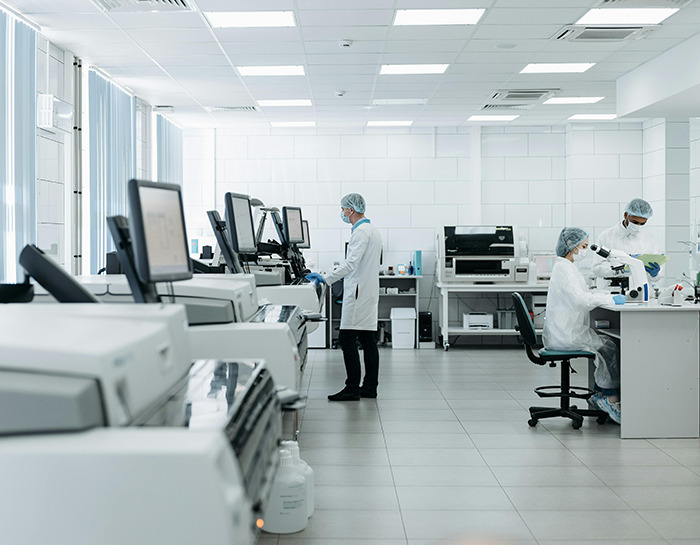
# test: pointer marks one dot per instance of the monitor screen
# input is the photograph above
(157, 230)
(239, 222)
(307, 240)
(292, 223)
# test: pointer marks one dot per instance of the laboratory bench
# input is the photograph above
(450, 292)
(659, 367)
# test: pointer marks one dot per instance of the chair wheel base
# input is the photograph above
(601, 419)
(532, 422)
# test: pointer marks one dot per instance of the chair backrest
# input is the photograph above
(525, 325)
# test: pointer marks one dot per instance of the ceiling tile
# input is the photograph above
(264, 48)
(515, 32)
(333, 47)
(175, 35)
(427, 46)
(432, 32)
(529, 16)
(343, 4)
(334, 33)
(73, 21)
(346, 18)
(192, 60)
(158, 20)
(258, 35)
(246, 5)
(345, 58)
(174, 48)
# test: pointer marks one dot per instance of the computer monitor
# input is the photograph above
(307, 240)
(157, 231)
(239, 222)
(222, 239)
(292, 224)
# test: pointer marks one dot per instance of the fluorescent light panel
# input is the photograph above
(408, 17)
(398, 101)
(403, 69)
(493, 117)
(593, 117)
(291, 70)
(626, 16)
(573, 100)
(293, 123)
(389, 123)
(250, 19)
(557, 68)
(286, 102)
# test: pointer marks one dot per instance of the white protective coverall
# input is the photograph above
(618, 237)
(361, 272)
(569, 302)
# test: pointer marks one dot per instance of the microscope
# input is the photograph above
(638, 287)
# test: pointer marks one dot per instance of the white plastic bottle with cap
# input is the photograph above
(286, 509)
(305, 470)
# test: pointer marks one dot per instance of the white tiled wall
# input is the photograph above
(539, 178)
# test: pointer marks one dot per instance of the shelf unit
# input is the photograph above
(446, 289)
(386, 302)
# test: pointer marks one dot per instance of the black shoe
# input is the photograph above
(366, 392)
(345, 395)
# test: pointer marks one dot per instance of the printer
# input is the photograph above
(111, 435)
(481, 254)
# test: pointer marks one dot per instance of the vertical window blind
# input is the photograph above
(169, 151)
(112, 114)
(17, 142)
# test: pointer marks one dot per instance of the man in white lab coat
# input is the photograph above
(630, 236)
(360, 300)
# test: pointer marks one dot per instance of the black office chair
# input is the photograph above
(543, 356)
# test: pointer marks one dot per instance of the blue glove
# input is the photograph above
(619, 299)
(635, 255)
(653, 269)
(316, 278)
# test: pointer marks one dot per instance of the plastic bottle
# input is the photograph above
(286, 509)
(305, 470)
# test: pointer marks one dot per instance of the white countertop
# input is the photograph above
(652, 305)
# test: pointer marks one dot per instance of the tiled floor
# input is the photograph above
(445, 456)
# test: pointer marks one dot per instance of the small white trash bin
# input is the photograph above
(403, 328)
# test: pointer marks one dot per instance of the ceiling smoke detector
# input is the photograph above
(345, 44)
(340, 94)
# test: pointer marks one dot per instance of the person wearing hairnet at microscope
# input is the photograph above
(360, 300)
(631, 235)
(569, 302)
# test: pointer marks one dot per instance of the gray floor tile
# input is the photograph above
(355, 415)
(629, 457)
(603, 542)
(685, 456)
(491, 415)
(353, 498)
(491, 427)
(529, 457)
(416, 415)
(340, 440)
(435, 456)
(646, 476)
(353, 475)
(560, 498)
(601, 525)
(546, 476)
(493, 525)
(464, 540)
(334, 426)
(416, 404)
(485, 404)
(659, 497)
(293, 540)
(346, 457)
(422, 440)
(369, 524)
(423, 427)
(516, 440)
(443, 476)
(677, 524)
(453, 498)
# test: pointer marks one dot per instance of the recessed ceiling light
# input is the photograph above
(557, 68)
(293, 123)
(406, 17)
(402, 69)
(398, 101)
(573, 100)
(291, 70)
(250, 19)
(291, 102)
(389, 123)
(493, 117)
(626, 16)
(593, 117)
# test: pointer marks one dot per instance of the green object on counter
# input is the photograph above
(697, 279)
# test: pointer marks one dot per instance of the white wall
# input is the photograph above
(415, 181)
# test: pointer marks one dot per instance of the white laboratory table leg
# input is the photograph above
(660, 374)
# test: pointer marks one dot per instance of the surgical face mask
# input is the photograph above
(581, 254)
(343, 217)
(633, 228)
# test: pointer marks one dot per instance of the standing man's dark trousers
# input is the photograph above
(347, 338)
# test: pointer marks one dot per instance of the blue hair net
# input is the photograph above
(639, 207)
(569, 238)
(354, 200)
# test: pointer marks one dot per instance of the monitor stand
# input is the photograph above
(143, 292)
